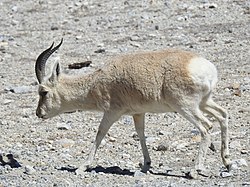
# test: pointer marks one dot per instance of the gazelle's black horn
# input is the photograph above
(42, 59)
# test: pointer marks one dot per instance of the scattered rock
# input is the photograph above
(65, 143)
(151, 140)
(139, 174)
(29, 170)
(53, 28)
(193, 174)
(240, 162)
(63, 126)
(100, 51)
(7, 101)
(237, 93)
(162, 147)
(135, 44)
(79, 65)
(243, 151)
(14, 8)
(112, 139)
(225, 174)
(209, 5)
(181, 146)
(242, 110)
(245, 183)
(21, 89)
(216, 29)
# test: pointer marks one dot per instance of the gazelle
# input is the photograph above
(161, 81)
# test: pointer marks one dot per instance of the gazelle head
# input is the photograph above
(49, 99)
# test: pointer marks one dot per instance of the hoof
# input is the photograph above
(145, 168)
(194, 174)
(230, 166)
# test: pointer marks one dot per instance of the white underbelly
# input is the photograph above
(151, 108)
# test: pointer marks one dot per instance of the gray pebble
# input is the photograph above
(226, 174)
(29, 170)
(21, 89)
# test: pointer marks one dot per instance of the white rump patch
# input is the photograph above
(203, 72)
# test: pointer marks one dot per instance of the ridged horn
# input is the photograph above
(42, 59)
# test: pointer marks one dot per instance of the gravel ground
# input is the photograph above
(49, 151)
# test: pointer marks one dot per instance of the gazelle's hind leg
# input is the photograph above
(213, 109)
(195, 116)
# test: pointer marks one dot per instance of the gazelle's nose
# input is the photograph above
(39, 113)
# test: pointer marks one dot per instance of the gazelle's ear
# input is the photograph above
(55, 73)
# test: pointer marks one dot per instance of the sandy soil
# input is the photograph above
(48, 151)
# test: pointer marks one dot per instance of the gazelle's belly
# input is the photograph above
(151, 108)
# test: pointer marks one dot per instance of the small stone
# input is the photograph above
(225, 174)
(112, 139)
(213, 5)
(127, 120)
(126, 156)
(78, 37)
(151, 140)
(237, 93)
(100, 50)
(242, 110)
(100, 45)
(7, 101)
(65, 143)
(134, 38)
(240, 162)
(181, 146)
(20, 89)
(162, 147)
(135, 44)
(192, 174)
(53, 28)
(196, 138)
(195, 132)
(209, 5)
(14, 8)
(181, 18)
(243, 151)
(139, 174)
(63, 126)
(160, 133)
(245, 183)
(29, 170)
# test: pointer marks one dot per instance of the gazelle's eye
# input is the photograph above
(43, 93)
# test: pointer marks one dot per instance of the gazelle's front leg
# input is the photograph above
(139, 120)
(108, 119)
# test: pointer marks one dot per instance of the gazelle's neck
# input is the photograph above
(76, 92)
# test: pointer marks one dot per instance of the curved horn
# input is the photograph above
(42, 59)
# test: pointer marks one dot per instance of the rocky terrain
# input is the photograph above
(49, 151)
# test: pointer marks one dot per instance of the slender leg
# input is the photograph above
(221, 115)
(139, 120)
(196, 117)
(108, 119)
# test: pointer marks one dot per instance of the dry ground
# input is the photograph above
(218, 29)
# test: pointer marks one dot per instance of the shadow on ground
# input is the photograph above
(109, 170)
(118, 171)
